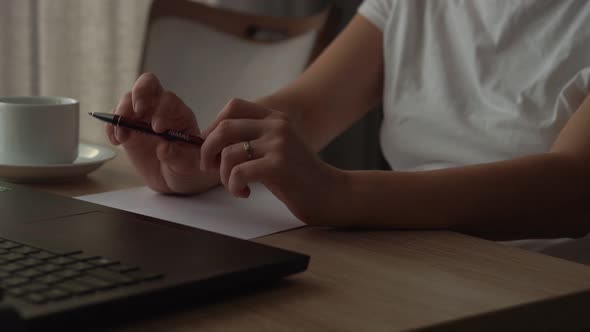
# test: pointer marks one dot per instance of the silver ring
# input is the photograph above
(248, 149)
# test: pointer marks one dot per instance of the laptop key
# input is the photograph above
(35, 298)
(76, 287)
(12, 256)
(13, 281)
(101, 261)
(43, 255)
(47, 267)
(16, 292)
(61, 260)
(115, 277)
(29, 273)
(25, 250)
(80, 266)
(56, 294)
(9, 245)
(30, 262)
(34, 287)
(11, 267)
(95, 282)
(67, 274)
(49, 279)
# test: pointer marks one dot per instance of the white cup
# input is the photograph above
(38, 130)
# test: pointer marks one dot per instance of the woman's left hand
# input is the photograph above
(249, 143)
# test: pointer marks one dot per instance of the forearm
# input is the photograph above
(538, 196)
(342, 85)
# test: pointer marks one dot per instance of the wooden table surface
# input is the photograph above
(368, 280)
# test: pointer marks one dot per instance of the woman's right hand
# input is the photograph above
(167, 167)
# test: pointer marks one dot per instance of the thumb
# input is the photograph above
(181, 158)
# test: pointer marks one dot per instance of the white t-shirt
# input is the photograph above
(474, 81)
(477, 81)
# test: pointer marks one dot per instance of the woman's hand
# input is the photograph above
(168, 167)
(248, 143)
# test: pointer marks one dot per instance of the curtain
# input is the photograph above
(16, 51)
(85, 49)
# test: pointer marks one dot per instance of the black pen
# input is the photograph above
(144, 127)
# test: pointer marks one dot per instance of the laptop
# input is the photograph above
(66, 262)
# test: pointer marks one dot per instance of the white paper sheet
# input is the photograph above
(217, 211)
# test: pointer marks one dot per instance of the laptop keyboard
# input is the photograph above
(39, 276)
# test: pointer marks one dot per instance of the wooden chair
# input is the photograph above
(207, 55)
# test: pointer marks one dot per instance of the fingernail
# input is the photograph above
(206, 132)
(156, 126)
(113, 139)
(245, 192)
(121, 134)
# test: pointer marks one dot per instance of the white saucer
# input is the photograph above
(90, 157)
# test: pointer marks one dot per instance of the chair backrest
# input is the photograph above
(207, 55)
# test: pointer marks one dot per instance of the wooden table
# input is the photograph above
(379, 281)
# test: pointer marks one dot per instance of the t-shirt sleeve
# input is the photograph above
(376, 11)
(572, 95)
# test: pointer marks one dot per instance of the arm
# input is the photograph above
(343, 84)
(544, 195)
(337, 89)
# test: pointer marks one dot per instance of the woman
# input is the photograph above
(486, 123)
